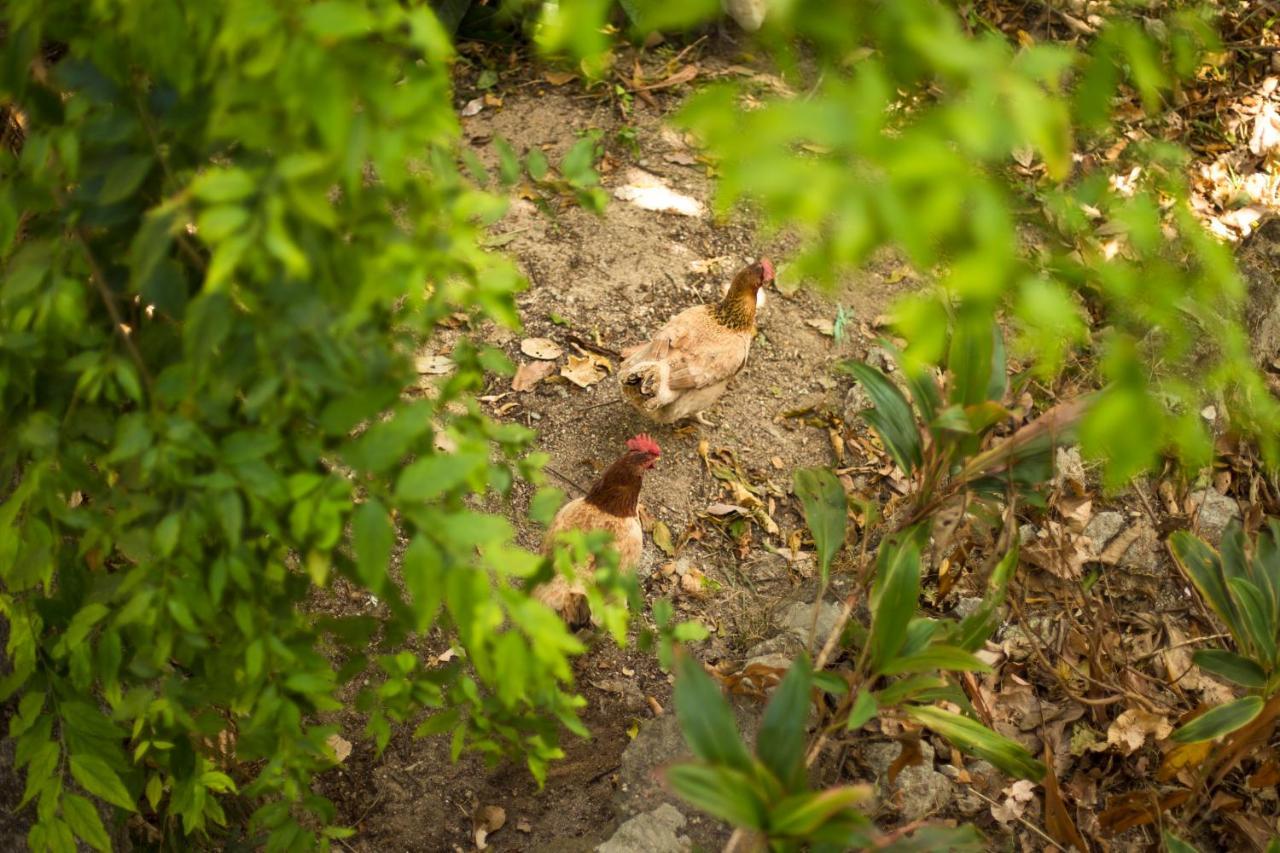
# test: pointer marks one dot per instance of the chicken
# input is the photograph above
(610, 505)
(689, 362)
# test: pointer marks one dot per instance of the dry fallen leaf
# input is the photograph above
(531, 373)
(586, 370)
(1129, 730)
(522, 825)
(662, 538)
(485, 821)
(693, 582)
(719, 509)
(558, 78)
(543, 348)
(1017, 796)
(823, 325)
(436, 365)
(472, 107)
(341, 746)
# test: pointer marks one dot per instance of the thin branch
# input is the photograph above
(109, 300)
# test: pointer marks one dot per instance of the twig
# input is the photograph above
(570, 337)
(109, 299)
(1190, 642)
(1028, 824)
(566, 479)
(612, 402)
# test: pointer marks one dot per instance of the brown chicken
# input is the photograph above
(689, 362)
(611, 505)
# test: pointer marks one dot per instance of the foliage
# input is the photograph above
(767, 791)
(1241, 586)
(906, 136)
(900, 664)
(238, 221)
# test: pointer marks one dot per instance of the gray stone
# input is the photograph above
(1068, 467)
(918, 791)
(1104, 527)
(798, 619)
(856, 401)
(658, 744)
(1213, 512)
(966, 607)
(650, 832)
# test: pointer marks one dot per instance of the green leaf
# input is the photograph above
(536, 164)
(100, 780)
(1219, 721)
(1255, 613)
(84, 821)
(825, 511)
(975, 628)
(337, 19)
(1203, 567)
(373, 538)
(803, 815)
(508, 161)
(1231, 666)
(976, 361)
(423, 570)
(124, 178)
(976, 739)
(781, 740)
(218, 186)
(706, 718)
(936, 657)
(894, 600)
(720, 791)
(864, 708)
(434, 475)
(891, 418)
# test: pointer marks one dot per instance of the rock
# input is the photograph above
(650, 832)
(782, 647)
(798, 619)
(748, 14)
(1068, 471)
(658, 744)
(856, 401)
(1212, 512)
(1104, 527)
(966, 607)
(918, 791)
(1259, 262)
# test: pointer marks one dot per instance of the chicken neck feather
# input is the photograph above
(618, 490)
(737, 310)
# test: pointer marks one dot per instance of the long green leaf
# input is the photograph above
(802, 815)
(975, 628)
(1254, 612)
(976, 739)
(936, 657)
(893, 608)
(891, 418)
(1203, 567)
(1174, 844)
(706, 718)
(781, 740)
(728, 794)
(1222, 720)
(825, 511)
(1231, 666)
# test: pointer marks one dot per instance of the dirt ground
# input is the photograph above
(612, 279)
(609, 281)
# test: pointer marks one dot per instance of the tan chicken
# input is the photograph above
(611, 505)
(689, 362)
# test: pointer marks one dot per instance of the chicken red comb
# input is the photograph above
(767, 267)
(642, 443)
